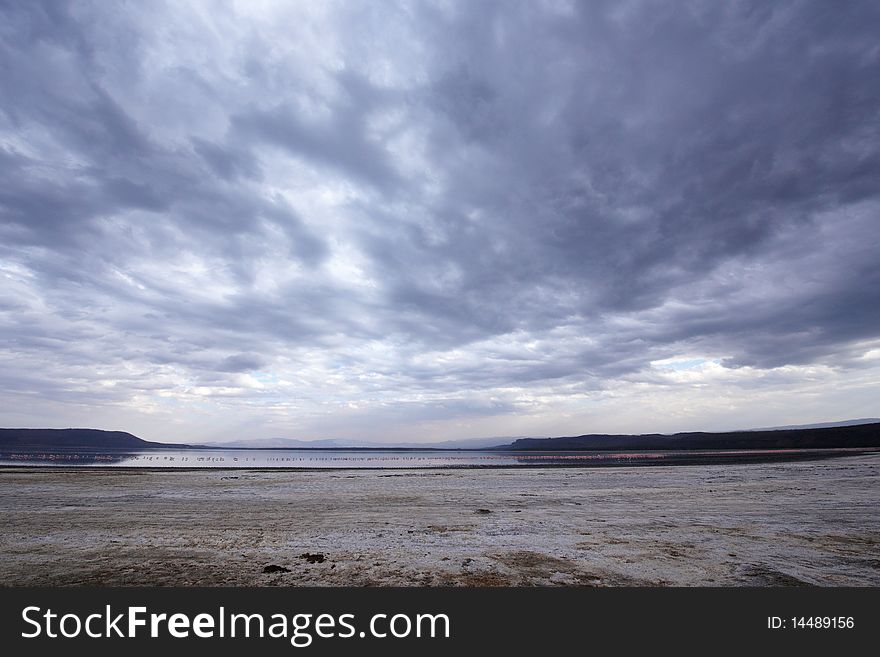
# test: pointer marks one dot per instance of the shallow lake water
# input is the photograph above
(359, 459)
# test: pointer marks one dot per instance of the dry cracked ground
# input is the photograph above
(806, 523)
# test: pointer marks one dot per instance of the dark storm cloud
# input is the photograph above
(339, 142)
(241, 363)
(604, 184)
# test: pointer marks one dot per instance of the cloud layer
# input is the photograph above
(438, 219)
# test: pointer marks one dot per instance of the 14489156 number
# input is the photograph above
(822, 622)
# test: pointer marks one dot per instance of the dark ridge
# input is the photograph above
(864, 435)
(76, 438)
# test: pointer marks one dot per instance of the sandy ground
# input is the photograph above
(766, 524)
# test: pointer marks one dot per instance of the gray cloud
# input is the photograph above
(475, 206)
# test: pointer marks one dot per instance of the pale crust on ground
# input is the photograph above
(759, 524)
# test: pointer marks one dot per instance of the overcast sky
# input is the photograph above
(438, 220)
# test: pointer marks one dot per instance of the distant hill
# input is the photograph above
(75, 438)
(330, 443)
(863, 435)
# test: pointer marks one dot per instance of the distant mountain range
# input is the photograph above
(289, 443)
(98, 439)
(850, 433)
